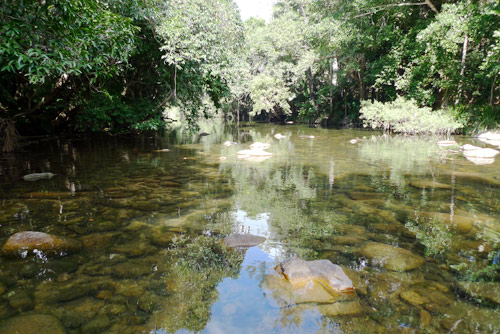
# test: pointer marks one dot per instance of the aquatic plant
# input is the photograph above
(435, 236)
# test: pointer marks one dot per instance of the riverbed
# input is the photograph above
(415, 226)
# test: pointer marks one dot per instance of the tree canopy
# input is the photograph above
(117, 66)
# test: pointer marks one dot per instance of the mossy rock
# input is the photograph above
(32, 324)
(392, 258)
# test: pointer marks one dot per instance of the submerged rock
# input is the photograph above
(22, 243)
(243, 240)
(458, 222)
(279, 136)
(228, 143)
(480, 161)
(492, 138)
(478, 152)
(489, 291)
(254, 153)
(446, 143)
(414, 298)
(97, 325)
(32, 324)
(38, 176)
(424, 184)
(475, 178)
(48, 195)
(361, 196)
(260, 146)
(392, 258)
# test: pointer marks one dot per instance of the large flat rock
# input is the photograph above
(392, 258)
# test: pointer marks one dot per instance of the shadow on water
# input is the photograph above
(139, 227)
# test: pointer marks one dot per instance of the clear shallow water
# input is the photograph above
(150, 225)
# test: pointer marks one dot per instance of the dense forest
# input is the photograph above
(121, 66)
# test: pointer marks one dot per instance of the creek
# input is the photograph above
(415, 226)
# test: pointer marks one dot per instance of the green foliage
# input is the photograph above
(208, 33)
(198, 266)
(477, 118)
(405, 116)
(114, 114)
(48, 39)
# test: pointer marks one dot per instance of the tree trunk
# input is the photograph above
(431, 6)
(312, 95)
(462, 70)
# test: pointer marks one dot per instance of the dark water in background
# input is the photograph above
(150, 225)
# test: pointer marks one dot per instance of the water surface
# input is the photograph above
(151, 222)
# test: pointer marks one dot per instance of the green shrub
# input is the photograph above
(478, 118)
(405, 116)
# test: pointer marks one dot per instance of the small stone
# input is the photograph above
(72, 320)
(413, 298)
(162, 239)
(32, 324)
(97, 241)
(97, 325)
(104, 294)
(131, 269)
(21, 300)
(135, 249)
(425, 318)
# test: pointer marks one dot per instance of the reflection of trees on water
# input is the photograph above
(279, 188)
(401, 155)
(458, 197)
(198, 266)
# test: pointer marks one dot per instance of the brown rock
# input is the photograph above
(22, 243)
(425, 318)
(413, 298)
